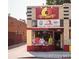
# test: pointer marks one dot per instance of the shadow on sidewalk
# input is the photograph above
(16, 45)
(43, 58)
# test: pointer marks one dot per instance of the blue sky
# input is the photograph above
(17, 8)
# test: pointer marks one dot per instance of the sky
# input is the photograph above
(17, 8)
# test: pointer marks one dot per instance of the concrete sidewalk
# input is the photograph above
(54, 54)
(21, 52)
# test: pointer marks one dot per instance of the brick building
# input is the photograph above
(16, 31)
(50, 20)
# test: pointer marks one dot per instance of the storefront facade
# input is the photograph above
(48, 28)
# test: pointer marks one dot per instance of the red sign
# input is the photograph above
(47, 13)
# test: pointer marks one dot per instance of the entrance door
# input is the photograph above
(57, 40)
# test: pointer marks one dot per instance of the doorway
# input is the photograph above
(57, 40)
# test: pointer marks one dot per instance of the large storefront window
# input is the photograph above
(43, 38)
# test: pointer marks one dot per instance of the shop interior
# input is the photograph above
(47, 38)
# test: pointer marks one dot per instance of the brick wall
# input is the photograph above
(16, 31)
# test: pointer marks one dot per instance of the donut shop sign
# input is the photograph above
(47, 13)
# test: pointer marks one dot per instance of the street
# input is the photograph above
(21, 53)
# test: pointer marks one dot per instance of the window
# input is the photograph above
(69, 34)
(66, 11)
(17, 32)
(43, 37)
(29, 8)
(29, 15)
(69, 23)
(11, 22)
(29, 11)
(66, 7)
(29, 18)
(34, 23)
(66, 14)
(23, 32)
(66, 17)
(61, 23)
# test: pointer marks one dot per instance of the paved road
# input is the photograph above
(21, 53)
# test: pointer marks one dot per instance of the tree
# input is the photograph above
(67, 1)
(56, 2)
(50, 2)
(59, 1)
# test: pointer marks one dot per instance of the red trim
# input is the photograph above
(40, 48)
(66, 47)
(45, 29)
(37, 28)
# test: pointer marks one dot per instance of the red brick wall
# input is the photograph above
(16, 31)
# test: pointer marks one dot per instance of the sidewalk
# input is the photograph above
(54, 54)
(21, 53)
